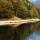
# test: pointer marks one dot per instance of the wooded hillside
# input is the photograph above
(22, 8)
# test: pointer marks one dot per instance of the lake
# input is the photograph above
(29, 31)
(35, 35)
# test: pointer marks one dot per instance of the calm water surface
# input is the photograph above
(35, 35)
(30, 31)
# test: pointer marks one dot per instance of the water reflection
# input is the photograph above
(29, 31)
(26, 30)
(33, 36)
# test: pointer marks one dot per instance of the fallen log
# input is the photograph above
(17, 22)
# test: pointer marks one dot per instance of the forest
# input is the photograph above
(22, 9)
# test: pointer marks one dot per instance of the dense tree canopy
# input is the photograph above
(21, 7)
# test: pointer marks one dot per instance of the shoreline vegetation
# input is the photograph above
(23, 9)
(20, 8)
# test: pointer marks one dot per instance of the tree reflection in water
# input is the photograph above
(26, 30)
(22, 32)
